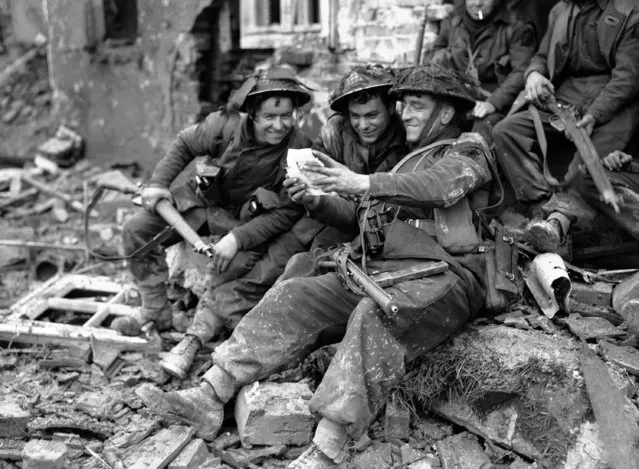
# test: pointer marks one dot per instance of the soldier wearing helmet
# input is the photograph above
(365, 134)
(433, 182)
(245, 154)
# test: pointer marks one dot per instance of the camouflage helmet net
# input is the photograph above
(361, 78)
(439, 81)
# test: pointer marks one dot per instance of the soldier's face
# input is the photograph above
(480, 9)
(369, 120)
(416, 112)
(274, 120)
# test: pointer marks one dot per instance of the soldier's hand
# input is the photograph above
(297, 191)
(223, 252)
(538, 88)
(587, 123)
(338, 178)
(482, 109)
(150, 196)
(616, 160)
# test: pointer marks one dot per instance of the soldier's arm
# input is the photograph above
(521, 50)
(623, 86)
(337, 212)
(459, 172)
(539, 62)
(268, 225)
(194, 141)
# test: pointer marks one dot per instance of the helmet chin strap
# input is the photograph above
(430, 123)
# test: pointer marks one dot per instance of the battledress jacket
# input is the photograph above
(458, 170)
(246, 165)
(338, 140)
(609, 50)
(502, 52)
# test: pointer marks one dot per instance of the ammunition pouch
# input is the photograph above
(501, 258)
(454, 228)
(208, 177)
(261, 201)
(375, 218)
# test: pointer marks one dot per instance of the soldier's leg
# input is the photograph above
(150, 271)
(520, 156)
(372, 357)
(283, 325)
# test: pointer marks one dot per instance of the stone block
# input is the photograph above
(462, 451)
(624, 292)
(274, 414)
(592, 328)
(630, 314)
(13, 420)
(192, 456)
(396, 423)
(43, 454)
(625, 357)
(596, 294)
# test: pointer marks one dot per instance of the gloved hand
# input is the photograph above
(152, 195)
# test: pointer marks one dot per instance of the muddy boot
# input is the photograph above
(198, 407)
(131, 325)
(327, 450)
(178, 361)
(544, 235)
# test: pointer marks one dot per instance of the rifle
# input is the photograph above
(586, 151)
(163, 208)
(420, 39)
(373, 286)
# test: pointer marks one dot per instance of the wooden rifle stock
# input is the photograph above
(173, 218)
(587, 152)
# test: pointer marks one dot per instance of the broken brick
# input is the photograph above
(630, 313)
(13, 420)
(43, 454)
(461, 451)
(625, 357)
(192, 456)
(274, 414)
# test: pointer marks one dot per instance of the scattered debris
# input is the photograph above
(43, 454)
(13, 420)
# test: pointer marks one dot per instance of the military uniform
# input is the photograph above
(340, 141)
(423, 190)
(590, 55)
(247, 168)
(497, 50)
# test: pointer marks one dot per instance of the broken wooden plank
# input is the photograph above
(102, 313)
(35, 245)
(48, 190)
(618, 430)
(159, 450)
(39, 332)
(24, 195)
(88, 306)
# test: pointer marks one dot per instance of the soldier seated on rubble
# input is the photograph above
(366, 135)
(589, 60)
(437, 179)
(484, 39)
(243, 180)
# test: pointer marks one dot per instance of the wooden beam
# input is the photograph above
(159, 450)
(39, 332)
(618, 430)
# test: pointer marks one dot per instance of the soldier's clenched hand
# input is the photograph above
(538, 88)
(338, 178)
(297, 191)
(616, 160)
(223, 252)
(152, 195)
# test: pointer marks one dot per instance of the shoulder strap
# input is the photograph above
(421, 151)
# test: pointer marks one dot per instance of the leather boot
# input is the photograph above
(131, 325)
(544, 235)
(198, 407)
(178, 361)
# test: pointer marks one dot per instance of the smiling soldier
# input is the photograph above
(437, 181)
(365, 134)
(238, 195)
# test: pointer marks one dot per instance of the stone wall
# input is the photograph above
(130, 100)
